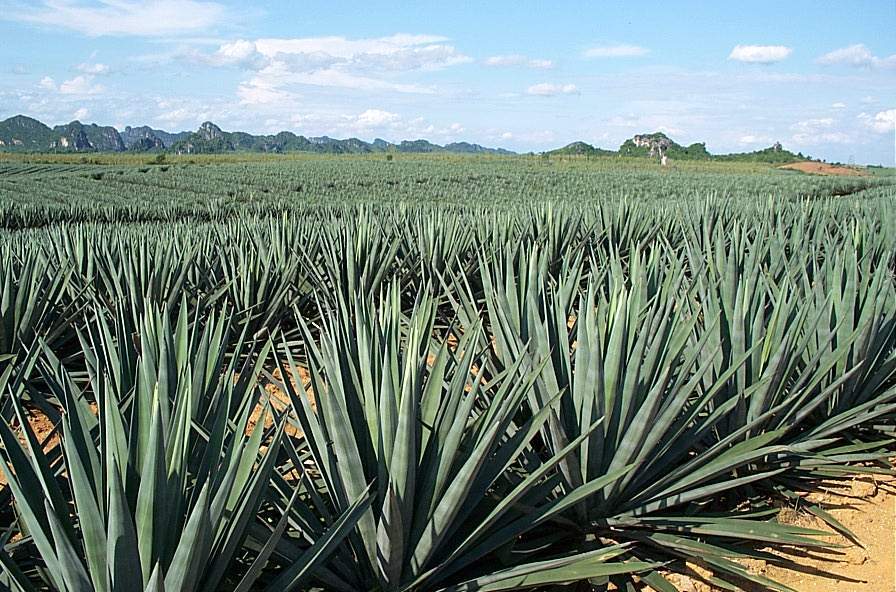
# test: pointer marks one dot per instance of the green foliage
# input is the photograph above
(769, 155)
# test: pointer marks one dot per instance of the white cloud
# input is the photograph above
(882, 122)
(616, 51)
(240, 53)
(838, 105)
(816, 131)
(260, 92)
(518, 60)
(81, 113)
(81, 86)
(277, 79)
(145, 18)
(371, 123)
(94, 69)
(375, 118)
(813, 124)
(546, 89)
(372, 64)
(399, 52)
(175, 116)
(181, 113)
(857, 55)
(759, 54)
(47, 83)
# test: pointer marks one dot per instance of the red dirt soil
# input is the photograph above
(822, 168)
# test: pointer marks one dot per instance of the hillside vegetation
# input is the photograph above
(652, 145)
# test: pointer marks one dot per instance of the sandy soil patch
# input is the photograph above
(867, 507)
(280, 401)
(42, 428)
(822, 168)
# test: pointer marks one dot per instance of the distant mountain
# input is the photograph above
(147, 139)
(467, 148)
(80, 137)
(24, 134)
(208, 139)
(580, 149)
(656, 144)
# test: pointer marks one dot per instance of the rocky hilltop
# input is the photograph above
(79, 137)
(656, 144)
(147, 139)
(26, 134)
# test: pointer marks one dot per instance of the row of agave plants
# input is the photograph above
(569, 404)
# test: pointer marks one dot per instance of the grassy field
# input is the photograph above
(433, 373)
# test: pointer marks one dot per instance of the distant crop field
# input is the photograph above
(435, 373)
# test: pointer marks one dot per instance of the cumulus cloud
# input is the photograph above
(81, 86)
(759, 54)
(81, 113)
(47, 83)
(882, 122)
(858, 55)
(546, 89)
(240, 53)
(838, 105)
(518, 60)
(145, 18)
(616, 51)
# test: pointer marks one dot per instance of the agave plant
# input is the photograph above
(168, 488)
(623, 354)
(36, 302)
(819, 350)
(455, 483)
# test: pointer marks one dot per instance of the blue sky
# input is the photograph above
(820, 77)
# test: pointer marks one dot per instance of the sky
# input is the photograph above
(817, 76)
